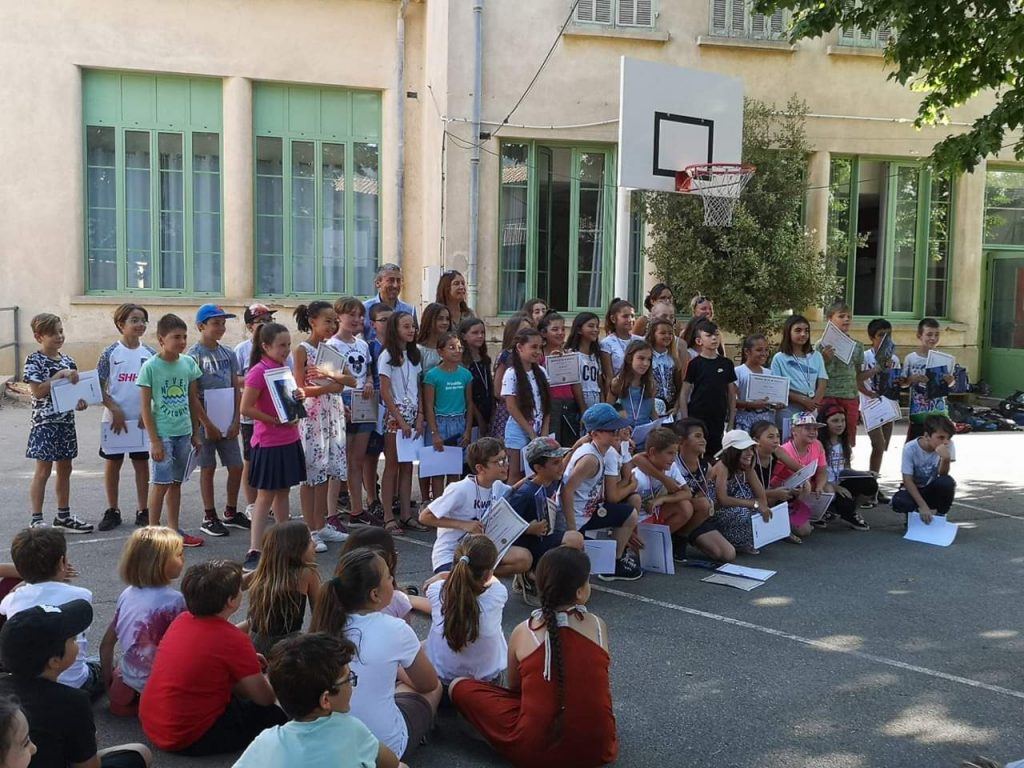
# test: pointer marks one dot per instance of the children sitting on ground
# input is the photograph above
(40, 557)
(402, 602)
(466, 638)
(314, 683)
(170, 411)
(739, 494)
(709, 389)
(152, 558)
(532, 722)
(118, 369)
(207, 694)
(37, 646)
(583, 490)
(805, 448)
(351, 605)
(915, 376)
(849, 486)
(928, 488)
(670, 508)
(52, 438)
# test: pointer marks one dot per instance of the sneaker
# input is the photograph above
(327, 533)
(529, 594)
(237, 521)
(881, 498)
(251, 561)
(335, 522)
(626, 569)
(72, 524)
(856, 522)
(249, 509)
(868, 503)
(821, 522)
(679, 549)
(142, 518)
(318, 544)
(111, 519)
(187, 540)
(38, 522)
(214, 527)
(517, 584)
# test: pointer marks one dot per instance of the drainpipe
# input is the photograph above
(400, 130)
(474, 157)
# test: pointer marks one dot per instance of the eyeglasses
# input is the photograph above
(501, 462)
(138, 321)
(352, 679)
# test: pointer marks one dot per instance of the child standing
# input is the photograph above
(534, 310)
(527, 397)
(435, 322)
(634, 385)
(170, 411)
(878, 383)
(380, 315)
(928, 488)
(618, 324)
(915, 376)
(565, 410)
(323, 429)
(220, 372)
(805, 448)
(52, 439)
(755, 356)
(513, 325)
(118, 370)
(665, 363)
(804, 366)
(152, 558)
(847, 485)
(473, 335)
(466, 638)
(738, 491)
(278, 462)
(844, 379)
(448, 402)
(709, 390)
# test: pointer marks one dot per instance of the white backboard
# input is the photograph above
(671, 117)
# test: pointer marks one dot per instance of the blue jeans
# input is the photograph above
(938, 495)
(172, 468)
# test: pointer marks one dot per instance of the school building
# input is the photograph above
(178, 153)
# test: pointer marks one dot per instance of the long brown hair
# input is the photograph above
(524, 393)
(349, 591)
(444, 291)
(273, 590)
(627, 378)
(474, 559)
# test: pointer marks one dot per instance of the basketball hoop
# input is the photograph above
(719, 186)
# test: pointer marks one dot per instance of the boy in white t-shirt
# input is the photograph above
(464, 504)
(673, 509)
(884, 383)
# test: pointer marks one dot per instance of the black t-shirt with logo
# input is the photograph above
(710, 378)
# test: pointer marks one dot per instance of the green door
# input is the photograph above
(1003, 356)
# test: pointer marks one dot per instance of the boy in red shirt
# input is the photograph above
(207, 694)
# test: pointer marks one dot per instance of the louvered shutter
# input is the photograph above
(719, 17)
(777, 24)
(737, 22)
(594, 11)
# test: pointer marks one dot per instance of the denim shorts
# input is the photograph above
(451, 428)
(172, 468)
(357, 427)
(515, 437)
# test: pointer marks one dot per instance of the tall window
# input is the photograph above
(736, 18)
(317, 190)
(890, 230)
(153, 186)
(619, 13)
(557, 225)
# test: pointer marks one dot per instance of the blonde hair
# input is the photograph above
(146, 554)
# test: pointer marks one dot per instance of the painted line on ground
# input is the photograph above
(987, 511)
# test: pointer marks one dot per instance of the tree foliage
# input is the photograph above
(950, 50)
(765, 263)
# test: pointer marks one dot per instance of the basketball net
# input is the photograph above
(719, 186)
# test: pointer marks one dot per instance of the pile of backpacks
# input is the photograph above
(1009, 416)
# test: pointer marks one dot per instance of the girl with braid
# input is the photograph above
(557, 706)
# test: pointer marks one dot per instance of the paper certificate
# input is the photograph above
(282, 388)
(602, 555)
(656, 554)
(563, 369)
(364, 410)
(938, 359)
(765, 532)
(774, 389)
(939, 532)
(547, 507)
(447, 461)
(190, 465)
(65, 395)
(641, 432)
(819, 504)
(842, 345)
(503, 526)
(408, 448)
(886, 349)
(877, 411)
(220, 407)
(329, 359)
(133, 440)
(741, 570)
(797, 479)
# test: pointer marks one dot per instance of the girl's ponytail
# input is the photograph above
(356, 576)
(264, 334)
(473, 560)
(304, 313)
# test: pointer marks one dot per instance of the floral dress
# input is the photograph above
(734, 522)
(323, 433)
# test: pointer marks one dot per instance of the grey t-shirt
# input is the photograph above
(219, 366)
(921, 464)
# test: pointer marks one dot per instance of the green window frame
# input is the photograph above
(556, 230)
(1004, 207)
(153, 186)
(637, 240)
(317, 223)
(912, 245)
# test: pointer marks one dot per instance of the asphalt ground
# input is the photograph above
(864, 650)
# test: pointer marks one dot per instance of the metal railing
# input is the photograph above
(16, 343)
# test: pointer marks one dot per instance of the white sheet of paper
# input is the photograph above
(656, 554)
(190, 465)
(937, 359)
(66, 395)
(363, 411)
(330, 359)
(602, 555)
(408, 447)
(763, 386)
(133, 440)
(819, 504)
(624, 452)
(435, 463)
(760, 574)
(503, 526)
(799, 478)
(775, 529)
(876, 411)
(842, 345)
(733, 581)
(220, 407)
(563, 369)
(641, 432)
(939, 532)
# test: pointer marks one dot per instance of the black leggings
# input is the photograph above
(234, 730)
(857, 485)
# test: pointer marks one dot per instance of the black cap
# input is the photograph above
(35, 635)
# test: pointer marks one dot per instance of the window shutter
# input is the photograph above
(777, 24)
(848, 35)
(737, 19)
(603, 11)
(719, 15)
(585, 10)
(882, 34)
(758, 25)
(635, 13)
(645, 13)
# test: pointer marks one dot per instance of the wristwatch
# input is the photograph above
(756, 505)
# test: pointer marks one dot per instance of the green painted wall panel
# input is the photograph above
(366, 114)
(335, 114)
(101, 97)
(206, 105)
(303, 111)
(138, 100)
(269, 107)
(171, 102)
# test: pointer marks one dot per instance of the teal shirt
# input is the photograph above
(169, 383)
(449, 390)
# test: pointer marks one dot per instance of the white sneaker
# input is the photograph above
(318, 545)
(249, 510)
(327, 533)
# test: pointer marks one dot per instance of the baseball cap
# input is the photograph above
(805, 419)
(735, 438)
(33, 636)
(210, 311)
(255, 311)
(544, 448)
(602, 416)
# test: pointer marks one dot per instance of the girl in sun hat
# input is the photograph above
(805, 448)
(739, 491)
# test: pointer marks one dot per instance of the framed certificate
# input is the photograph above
(503, 526)
(282, 388)
(563, 369)
(364, 410)
(774, 389)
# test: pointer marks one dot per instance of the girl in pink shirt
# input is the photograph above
(805, 448)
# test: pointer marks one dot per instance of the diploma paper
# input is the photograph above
(330, 359)
(602, 555)
(939, 532)
(656, 554)
(775, 529)
(134, 440)
(220, 407)
(876, 411)
(641, 432)
(819, 504)
(503, 526)
(409, 447)
(563, 369)
(938, 359)
(435, 463)
(842, 345)
(797, 479)
(190, 464)
(774, 389)
(65, 395)
(282, 388)
(364, 410)
(733, 581)
(751, 573)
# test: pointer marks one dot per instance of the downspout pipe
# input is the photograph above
(400, 130)
(474, 157)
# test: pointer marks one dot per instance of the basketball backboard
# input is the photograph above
(671, 117)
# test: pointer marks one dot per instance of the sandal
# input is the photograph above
(393, 527)
(794, 539)
(413, 524)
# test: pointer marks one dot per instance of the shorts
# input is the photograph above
(52, 441)
(614, 517)
(227, 449)
(124, 700)
(376, 445)
(355, 428)
(452, 428)
(408, 412)
(419, 719)
(246, 430)
(446, 568)
(172, 468)
(134, 456)
(515, 437)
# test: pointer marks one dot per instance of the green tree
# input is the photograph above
(766, 262)
(950, 50)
